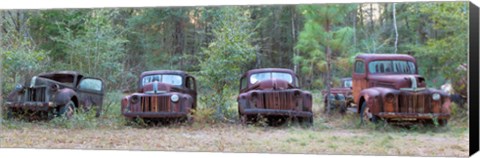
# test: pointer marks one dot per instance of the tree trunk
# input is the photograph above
(396, 30)
(329, 60)
(1, 65)
(294, 36)
(371, 18)
(355, 31)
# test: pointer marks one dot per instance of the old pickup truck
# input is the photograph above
(271, 92)
(56, 94)
(162, 95)
(388, 86)
(340, 98)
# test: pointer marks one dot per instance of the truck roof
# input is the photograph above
(179, 72)
(269, 70)
(59, 72)
(372, 57)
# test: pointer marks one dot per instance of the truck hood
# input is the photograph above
(398, 81)
(157, 87)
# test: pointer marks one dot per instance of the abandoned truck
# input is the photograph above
(273, 92)
(162, 95)
(388, 86)
(340, 97)
(56, 94)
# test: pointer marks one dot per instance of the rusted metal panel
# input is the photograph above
(157, 104)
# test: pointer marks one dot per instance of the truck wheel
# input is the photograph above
(243, 119)
(442, 122)
(307, 121)
(67, 110)
(343, 108)
(366, 115)
(10, 113)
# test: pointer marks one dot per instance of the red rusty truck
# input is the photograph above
(273, 92)
(162, 95)
(388, 86)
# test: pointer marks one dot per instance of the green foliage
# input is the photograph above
(323, 29)
(98, 51)
(448, 48)
(226, 56)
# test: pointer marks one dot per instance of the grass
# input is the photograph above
(330, 134)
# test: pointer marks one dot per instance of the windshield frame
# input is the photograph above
(291, 81)
(371, 69)
(161, 77)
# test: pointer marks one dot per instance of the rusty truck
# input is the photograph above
(162, 95)
(388, 87)
(273, 92)
(56, 93)
(340, 98)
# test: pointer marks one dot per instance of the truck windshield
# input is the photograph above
(254, 78)
(347, 83)
(169, 79)
(392, 66)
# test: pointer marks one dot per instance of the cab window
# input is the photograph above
(243, 83)
(359, 67)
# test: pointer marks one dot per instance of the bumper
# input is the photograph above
(155, 114)
(408, 116)
(273, 112)
(35, 106)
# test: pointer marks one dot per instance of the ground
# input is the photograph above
(335, 134)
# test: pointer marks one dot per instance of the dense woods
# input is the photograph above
(218, 44)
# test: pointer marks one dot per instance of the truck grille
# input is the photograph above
(415, 103)
(37, 94)
(155, 104)
(279, 100)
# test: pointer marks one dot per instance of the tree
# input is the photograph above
(229, 54)
(324, 33)
(98, 50)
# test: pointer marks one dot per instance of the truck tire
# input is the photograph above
(67, 110)
(366, 115)
(306, 121)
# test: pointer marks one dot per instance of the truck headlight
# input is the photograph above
(174, 98)
(389, 98)
(18, 87)
(436, 96)
(134, 99)
(34, 79)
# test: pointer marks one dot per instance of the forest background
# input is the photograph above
(218, 44)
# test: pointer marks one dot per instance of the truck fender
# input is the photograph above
(188, 101)
(63, 96)
(376, 92)
(366, 96)
(307, 100)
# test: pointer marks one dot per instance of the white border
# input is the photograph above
(53, 153)
(51, 4)
(56, 4)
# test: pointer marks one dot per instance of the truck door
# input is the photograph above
(359, 79)
(91, 92)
